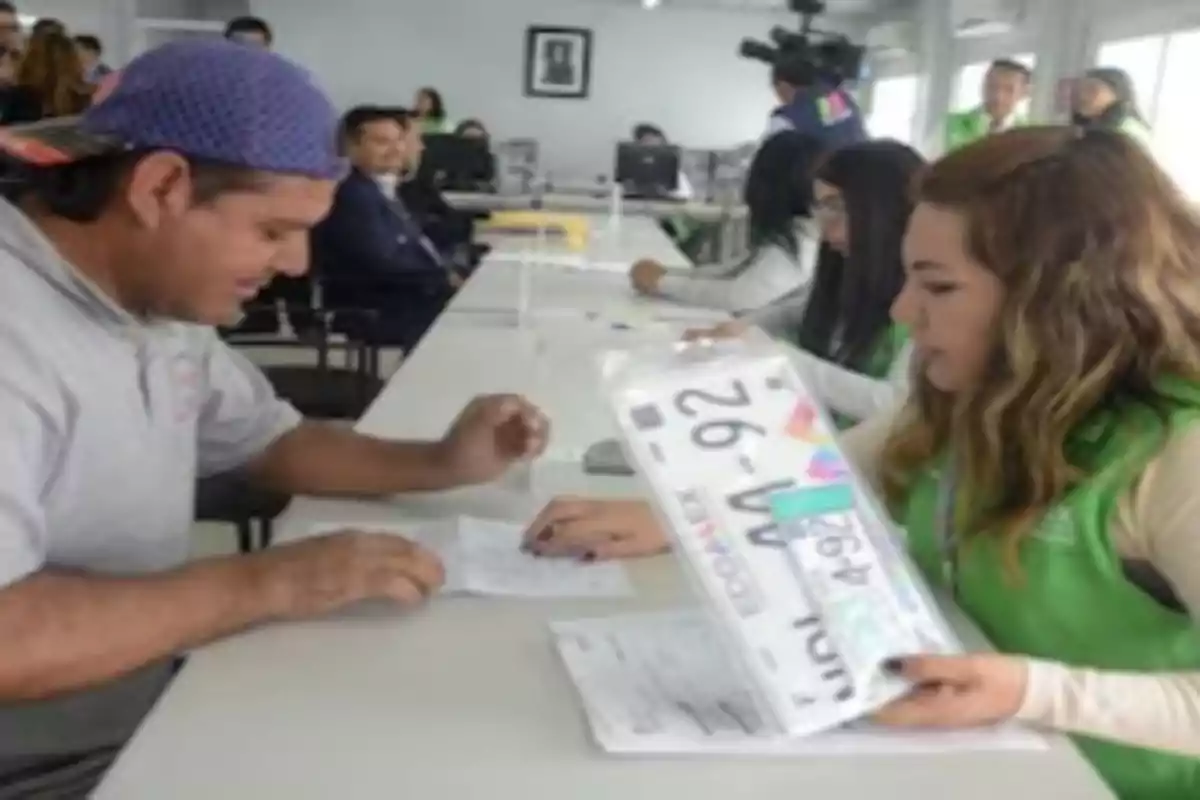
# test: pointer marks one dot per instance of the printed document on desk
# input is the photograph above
(483, 557)
(664, 684)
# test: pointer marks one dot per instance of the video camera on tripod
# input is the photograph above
(809, 56)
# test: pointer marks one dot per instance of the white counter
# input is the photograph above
(466, 698)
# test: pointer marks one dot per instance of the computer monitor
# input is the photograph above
(456, 163)
(648, 171)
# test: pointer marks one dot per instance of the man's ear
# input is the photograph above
(159, 188)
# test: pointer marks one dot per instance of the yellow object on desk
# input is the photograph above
(572, 228)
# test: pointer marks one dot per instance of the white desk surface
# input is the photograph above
(466, 698)
(584, 203)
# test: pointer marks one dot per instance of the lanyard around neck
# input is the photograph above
(944, 525)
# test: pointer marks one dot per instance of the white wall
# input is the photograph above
(675, 68)
(111, 20)
(104, 18)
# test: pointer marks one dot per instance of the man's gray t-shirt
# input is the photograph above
(105, 424)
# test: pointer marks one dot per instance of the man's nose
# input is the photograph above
(293, 256)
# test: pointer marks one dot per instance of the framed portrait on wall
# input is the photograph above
(558, 62)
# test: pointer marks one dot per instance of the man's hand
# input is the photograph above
(490, 435)
(106, 627)
(646, 275)
(325, 574)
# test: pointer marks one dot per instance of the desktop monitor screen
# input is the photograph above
(648, 170)
(457, 163)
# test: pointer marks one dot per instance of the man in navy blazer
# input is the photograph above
(370, 252)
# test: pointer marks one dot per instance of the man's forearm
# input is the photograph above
(328, 460)
(65, 632)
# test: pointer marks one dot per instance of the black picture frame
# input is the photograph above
(558, 62)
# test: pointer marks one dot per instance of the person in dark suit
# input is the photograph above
(452, 231)
(370, 252)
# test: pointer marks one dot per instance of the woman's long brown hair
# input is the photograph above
(1099, 255)
(51, 67)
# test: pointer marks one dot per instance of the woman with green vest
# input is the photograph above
(1044, 466)
(430, 111)
(1105, 97)
(1005, 88)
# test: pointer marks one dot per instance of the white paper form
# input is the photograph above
(494, 565)
(664, 684)
(483, 557)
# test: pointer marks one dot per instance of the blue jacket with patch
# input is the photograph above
(830, 115)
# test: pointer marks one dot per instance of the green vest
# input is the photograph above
(1071, 601)
(435, 126)
(878, 364)
(1139, 132)
(966, 127)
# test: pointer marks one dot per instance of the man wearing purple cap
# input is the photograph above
(136, 228)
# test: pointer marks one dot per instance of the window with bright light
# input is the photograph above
(894, 107)
(1163, 69)
(969, 89)
(1176, 121)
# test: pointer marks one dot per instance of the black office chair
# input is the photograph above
(319, 390)
(232, 500)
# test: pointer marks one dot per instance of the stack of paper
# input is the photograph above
(484, 557)
(491, 563)
(665, 684)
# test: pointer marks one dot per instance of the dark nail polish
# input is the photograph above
(893, 666)
(589, 557)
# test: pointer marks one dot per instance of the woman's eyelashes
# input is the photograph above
(938, 288)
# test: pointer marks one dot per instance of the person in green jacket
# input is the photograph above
(1057, 413)
(430, 111)
(1005, 87)
(1105, 97)
(1044, 465)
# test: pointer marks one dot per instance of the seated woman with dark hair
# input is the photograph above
(429, 110)
(844, 341)
(783, 238)
(1105, 97)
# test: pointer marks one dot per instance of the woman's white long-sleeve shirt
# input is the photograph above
(771, 274)
(849, 393)
(842, 390)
